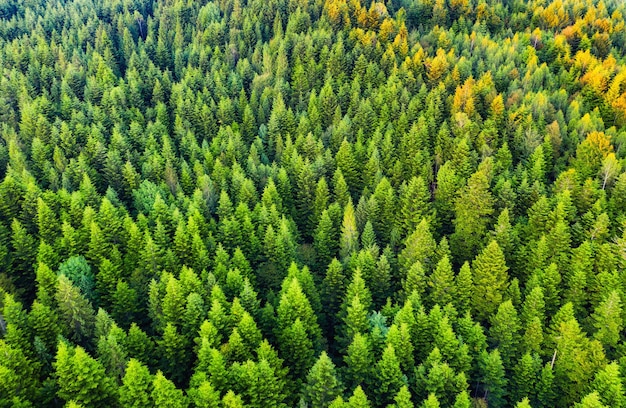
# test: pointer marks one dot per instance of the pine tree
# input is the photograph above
(75, 310)
(490, 280)
(381, 281)
(46, 285)
(545, 387)
(431, 402)
(136, 385)
(462, 400)
(359, 361)
(473, 207)
(333, 290)
(358, 399)
(139, 345)
(204, 395)
(297, 350)
(532, 339)
(403, 399)
(164, 392)
(463, 288)
(415, 281)
(172, 350)
(418, 247)
(322, 385)
(349, 241)
(607, 320)
(504, 332)
(324, 241)
(525, 376)
(293, 306)
(590, 401)
(389, 377)
(576, 361)
(355, 321)
(44, 323)
(608, 384)
(82, 379)
(399, 338)
(441, 282)
(493, 378)
(19, 377)
(414, 204)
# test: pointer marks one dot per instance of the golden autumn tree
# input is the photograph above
(591, 153)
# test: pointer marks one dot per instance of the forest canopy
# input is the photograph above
(313, 203)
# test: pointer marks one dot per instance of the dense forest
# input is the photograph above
(313, 203)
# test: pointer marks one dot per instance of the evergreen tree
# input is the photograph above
(493, 378)
(490, 280)
(608, 384)
(389, 377)
(504, 332)
(473, 207)
(359, 361)
(608, 321)
(441, 282)
(358, 399)
(136, 385)
(76, 311)
(164, 392)
(322, 385)
(81, 378)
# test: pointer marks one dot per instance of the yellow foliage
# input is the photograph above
(400, 42)
(464, 98)
(585, 61)
(485, 82)
(600, 142)
(596, 78)
(336, 9)
(460, 7)
(482, 11)
(603, 24)
(615, 89)
(619, 105)
(437, 66)
(387, 29)
(555, 15)
(496, 109)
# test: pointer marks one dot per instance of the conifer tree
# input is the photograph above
(490, 280)
(81, 378)
(164, 392)
(322, 385)
(136, 385)
(359, 361)
(418, 247)
(349, 241)
(389, 377)
(608, 384)
(504, 332)
(76, 311)
(441, 282)
(493, 377)
(358, 399)
(607, 320)
(473, 207)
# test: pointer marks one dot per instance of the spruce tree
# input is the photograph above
(490, 278)
(136, 385)
(322, 385)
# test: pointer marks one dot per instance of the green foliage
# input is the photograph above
(257, 204)
(136, 385)
(322, 385)
(81, 378)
